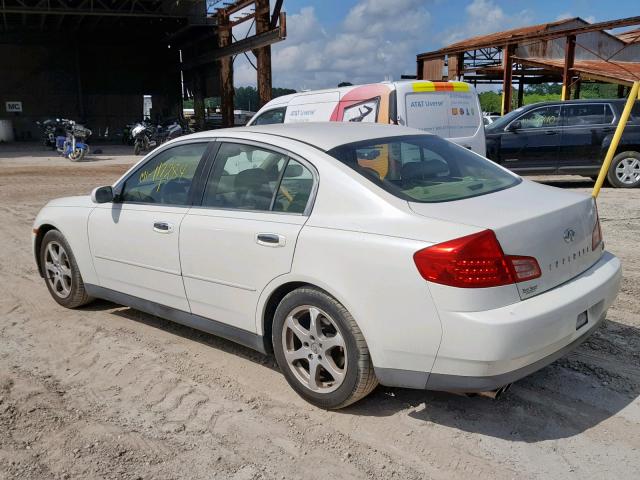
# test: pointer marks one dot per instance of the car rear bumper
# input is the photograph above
(488, 349)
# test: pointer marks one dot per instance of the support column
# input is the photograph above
(576, 92)
(521, 91)
(226, 71)
(459, 66)
(567, 73)
(263, 54)
(198, 99)
(507, 64)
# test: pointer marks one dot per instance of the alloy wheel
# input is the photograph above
(628, 170)
(314, 349)
(58, 269)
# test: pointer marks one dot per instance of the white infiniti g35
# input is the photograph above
(357, 253)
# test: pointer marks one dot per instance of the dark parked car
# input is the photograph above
(567, 138)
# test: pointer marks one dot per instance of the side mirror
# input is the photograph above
(102, 194)
(515, 125)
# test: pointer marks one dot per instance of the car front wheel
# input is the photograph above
(624, 171)
(61, 272)
(320, 349)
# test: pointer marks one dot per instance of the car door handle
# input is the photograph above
(162, 227)
(270, 240)
(550, 132)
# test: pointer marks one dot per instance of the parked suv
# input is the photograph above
(567, 138)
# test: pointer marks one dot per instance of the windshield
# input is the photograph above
(424, 168)
(500, 122)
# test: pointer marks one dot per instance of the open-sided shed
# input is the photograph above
(568, 51)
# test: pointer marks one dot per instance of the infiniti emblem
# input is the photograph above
(569, 235)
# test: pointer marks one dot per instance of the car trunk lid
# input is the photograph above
(554, 226)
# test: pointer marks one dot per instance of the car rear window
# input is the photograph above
(424, 168)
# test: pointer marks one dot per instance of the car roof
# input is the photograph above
(322, 135)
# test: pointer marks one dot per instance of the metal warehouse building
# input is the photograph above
(94, 60)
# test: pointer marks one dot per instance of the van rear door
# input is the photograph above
(448, 109)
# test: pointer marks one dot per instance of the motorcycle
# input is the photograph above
(143, 136)
(50, 129)
(65, 136)
(72, 144)
(146, 136)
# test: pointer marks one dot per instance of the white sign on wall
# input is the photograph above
(13, 107)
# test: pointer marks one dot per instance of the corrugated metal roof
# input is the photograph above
(631, 36)
(617, 71)
(506, 34)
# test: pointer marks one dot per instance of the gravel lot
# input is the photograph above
(109, 392)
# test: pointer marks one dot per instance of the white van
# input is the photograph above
(448, 109)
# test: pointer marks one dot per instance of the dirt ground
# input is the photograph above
(109, 392)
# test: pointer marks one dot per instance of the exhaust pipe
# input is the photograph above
(495, 394)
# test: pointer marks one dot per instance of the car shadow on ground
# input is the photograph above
(185, 332)
(566, 398)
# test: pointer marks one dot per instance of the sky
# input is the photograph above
(362, 41)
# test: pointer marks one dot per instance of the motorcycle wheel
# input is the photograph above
(137, 148)
(77, 155)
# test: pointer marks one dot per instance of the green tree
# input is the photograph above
(490, 101)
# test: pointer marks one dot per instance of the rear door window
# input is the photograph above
(584, 114)
(247, 177)
(295, 188)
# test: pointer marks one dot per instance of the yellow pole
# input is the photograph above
(633, 95)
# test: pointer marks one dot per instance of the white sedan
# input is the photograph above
(357, 253)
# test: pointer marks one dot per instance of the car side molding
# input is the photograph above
(237, 335)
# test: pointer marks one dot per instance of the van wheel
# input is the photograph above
(61, 272)
(320, 350)
(624, 171)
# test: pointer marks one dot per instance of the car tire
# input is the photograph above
(624, 171)
(342, 365)
(61, 272)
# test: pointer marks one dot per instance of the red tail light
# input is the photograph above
(474, 261)
(596, 235)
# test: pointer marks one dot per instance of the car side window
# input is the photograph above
(244, 177)
(295, 188)
(166, 178)
(581, 114)
(546, 117)
(269, 117)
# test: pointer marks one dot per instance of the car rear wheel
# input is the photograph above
(61, 272)
(320, 350)
(624, 171)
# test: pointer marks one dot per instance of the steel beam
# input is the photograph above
(567, 72)
(235, 48)
(507, 78)
(263, 54)
(226, 69)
